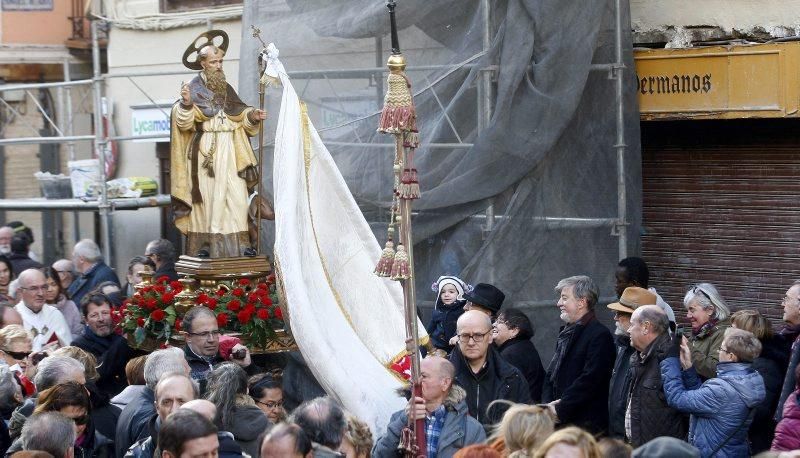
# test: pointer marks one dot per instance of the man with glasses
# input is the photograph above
(162, 253)
(202, 349)
(45, 322)
(576, 384)
(482, 372)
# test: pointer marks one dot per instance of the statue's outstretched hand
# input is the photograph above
(185, 96)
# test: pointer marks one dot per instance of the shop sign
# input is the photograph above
(150, 122)
(27, 5)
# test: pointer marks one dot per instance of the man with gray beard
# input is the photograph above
(213, 165)
(632, 298)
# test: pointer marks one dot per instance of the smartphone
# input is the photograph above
(239, 354)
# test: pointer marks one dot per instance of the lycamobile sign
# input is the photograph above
(150, 122)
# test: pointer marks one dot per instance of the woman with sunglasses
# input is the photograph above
(15, 349)
(709, 316)
(72, 400)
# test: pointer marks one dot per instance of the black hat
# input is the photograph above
(486, 296)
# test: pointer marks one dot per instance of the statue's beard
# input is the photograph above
(215, 81)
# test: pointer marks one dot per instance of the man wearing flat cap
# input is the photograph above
(632, 298)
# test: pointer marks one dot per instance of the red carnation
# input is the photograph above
(158, 315)
(162, 280)
(220, 292)
(178, 324)
(160, 289)
(244, 282)
(125, 304)
(251, 307)
(252, 297)
(222, 319)
(238, 292)
(266, 300)
(278, 313)
(150, 304)
(201, 298)
(140, 322)
(262, 286)
(167, 298)
(271, 278)
(175, 284)
(211, 303)
(263, 314)
(243, 316)
(234, 305)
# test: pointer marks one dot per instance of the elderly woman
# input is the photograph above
(236, 411)
(71, 400)
(709, 316)
(721, 409)
(267, 392)
(15, 349)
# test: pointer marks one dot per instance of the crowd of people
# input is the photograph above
(71, 386)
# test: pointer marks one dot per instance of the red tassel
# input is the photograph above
(411, 139)
(398, 114)
(400, 269)
(409, 188)
(384, 267)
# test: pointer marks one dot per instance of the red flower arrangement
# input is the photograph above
(250, 309)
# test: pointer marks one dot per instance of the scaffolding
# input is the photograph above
(484, 101)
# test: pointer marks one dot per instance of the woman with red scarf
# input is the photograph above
(709, 316)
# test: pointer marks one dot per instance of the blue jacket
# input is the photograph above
(459, 429)
(96, 274)
(719, 408)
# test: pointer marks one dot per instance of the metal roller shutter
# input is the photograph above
(722, 205)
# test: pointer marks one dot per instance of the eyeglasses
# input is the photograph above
(478, 338)
(271, 404)
(40, 288)
(18, 355)
(724, 350)
(696, 289)
(82, 420)
(206, 334)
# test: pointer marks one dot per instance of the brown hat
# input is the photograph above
(632, 298)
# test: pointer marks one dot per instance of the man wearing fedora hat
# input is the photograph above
(485, 298)
(631, 298)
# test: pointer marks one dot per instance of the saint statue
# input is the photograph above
(214, 173)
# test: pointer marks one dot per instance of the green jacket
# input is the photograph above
(705, 350)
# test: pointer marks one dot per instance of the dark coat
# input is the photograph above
(247, 425)
(132, 423)
(168, 269)
(583, 378)
(20, 262)
(789, 382)
(497, 380)
(769, 364)
(112, 353)
(522, 354)
(96, 274)
(95, 445)
(442, 326)
(651, 416)
(104, 414)
(620, 387)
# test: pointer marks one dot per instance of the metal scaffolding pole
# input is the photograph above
(100, 145)
(621, 147)
(484, 101)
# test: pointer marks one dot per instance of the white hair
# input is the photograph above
(54, 370)
(88, 250)
(707, 297)
(161, 362)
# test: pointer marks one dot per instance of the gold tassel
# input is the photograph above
(400, 269)
(411, 139)
(398, 114)
(384, 267)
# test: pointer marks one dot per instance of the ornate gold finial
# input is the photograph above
(396, 63)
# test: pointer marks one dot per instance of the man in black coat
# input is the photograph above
(482, 372)
(512, 336)
(631, 298)
(110, 349)
(162, 253)
(576, 384)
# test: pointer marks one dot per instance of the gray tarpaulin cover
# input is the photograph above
(545, 150)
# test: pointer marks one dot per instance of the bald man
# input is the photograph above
(444, 409)
(228, 447)
(482, 372)
(44, 322)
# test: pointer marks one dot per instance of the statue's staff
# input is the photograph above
(399, 119)
(262, 63)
